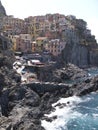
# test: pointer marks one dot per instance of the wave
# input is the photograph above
(63, 113)
(73, 114)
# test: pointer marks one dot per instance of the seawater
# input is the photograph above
(80, 114)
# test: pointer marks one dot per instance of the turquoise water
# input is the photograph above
(89, 114)
(93, 72)
(80, 114)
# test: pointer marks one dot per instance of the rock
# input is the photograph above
(84, 88)
(25, 108)
(1, 82)
(31, 99)
(35, 113)
(87, 80)
(4, 102)
(76, 54)
(50, 119)
(79, 54)
(69, 72)
(1, 61)
(94, 57)
(22, 106)
(2, 10)
(17, 77)
(61, 75)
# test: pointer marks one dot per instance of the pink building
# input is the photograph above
(23, 43)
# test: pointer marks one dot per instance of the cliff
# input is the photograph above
(23, 106)
(2, 10)
(81, 47)
(80, 55)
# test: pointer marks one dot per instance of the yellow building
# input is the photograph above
(13, 39)
(40, 42)
(34, 47)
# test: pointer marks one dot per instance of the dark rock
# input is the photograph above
(76, 54)
(50, 119)
(1, 61)
(79, 54)
(2, 10)
(1, 82)
(32, 99)
(17, 93)
(61, 75)
(35, 113)
(17, 77)
(24, 105)
(59, 104)
(4, 102)
(64, 76)
(87, 80)
(94, 57)
(46, 96)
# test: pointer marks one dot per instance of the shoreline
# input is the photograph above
(23, 105)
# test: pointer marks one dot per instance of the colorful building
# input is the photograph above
(40, 43)
(55, 46)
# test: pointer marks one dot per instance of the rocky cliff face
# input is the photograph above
(82, 52)
(80, 55)
(2, 10)
(94, 57)
(22, 106)
(76, 54)
(81, 47)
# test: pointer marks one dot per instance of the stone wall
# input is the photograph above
(44, 87)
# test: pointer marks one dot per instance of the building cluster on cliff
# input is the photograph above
(49, 33)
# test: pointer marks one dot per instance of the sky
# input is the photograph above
(82, 9)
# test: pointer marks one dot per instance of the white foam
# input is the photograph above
(95, 115)
(72, 100)
(67, 112)
(63, 114)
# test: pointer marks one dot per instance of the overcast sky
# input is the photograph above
(84, 9)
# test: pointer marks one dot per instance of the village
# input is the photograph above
(28, 66)
(48, 67)
(38, 41)
(48, 32)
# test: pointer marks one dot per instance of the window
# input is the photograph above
(25, 37)
(19, 49)
(19, 44)
(34, 45)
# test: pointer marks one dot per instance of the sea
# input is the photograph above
(78, 113)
